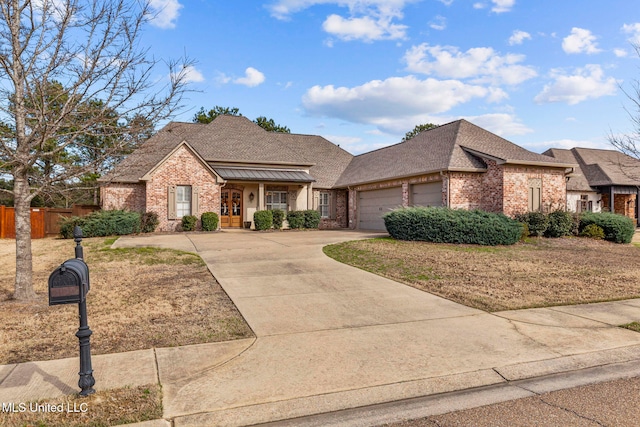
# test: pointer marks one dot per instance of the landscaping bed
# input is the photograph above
(140, 298)
(537, 273)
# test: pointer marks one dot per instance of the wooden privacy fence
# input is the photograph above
(44, 221)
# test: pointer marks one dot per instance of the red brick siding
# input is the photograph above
(123, 196)
(182, 168)
(623, 204)
(516, 185)
(341, 217)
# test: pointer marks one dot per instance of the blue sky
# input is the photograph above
(361, 73)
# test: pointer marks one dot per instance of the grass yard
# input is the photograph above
(537, 273)
(140, 298)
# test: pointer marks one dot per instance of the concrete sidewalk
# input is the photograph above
(331, 337)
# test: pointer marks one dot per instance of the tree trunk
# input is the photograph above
(24, 268)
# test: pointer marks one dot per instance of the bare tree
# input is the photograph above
(629, 143)
(88, 50)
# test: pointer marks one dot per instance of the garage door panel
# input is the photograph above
(429, 194)
(375, 203)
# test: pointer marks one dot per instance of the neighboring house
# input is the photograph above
(604, 180)
(234, 167)
(230, 166)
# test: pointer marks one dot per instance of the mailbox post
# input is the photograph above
(70, 284)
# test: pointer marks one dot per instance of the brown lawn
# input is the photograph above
(541, 272)
(139, 298)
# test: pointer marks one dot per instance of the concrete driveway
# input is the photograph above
(331, 337)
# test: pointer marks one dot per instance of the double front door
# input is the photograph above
(231, 208)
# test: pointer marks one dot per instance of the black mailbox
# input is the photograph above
(69, 283)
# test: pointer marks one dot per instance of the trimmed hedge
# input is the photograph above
(311, 219)
(560, 224)
(209, 221)
(444, 225)
(617, 228)
(278, 218)
(537, 222)
(593, 231)
(189, 222)
(102, 223)
(295, 219)
(263, 220)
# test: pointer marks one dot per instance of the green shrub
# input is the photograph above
(525, 230)
(537, 222)
(617, 228)
(189, 222)
(149, 222)
(593, 231)
(102, 223)
(263, 220)
(209, 221)
(278, 218)
(295, 219)
(311, 219)
(444, 225)
(560, 224)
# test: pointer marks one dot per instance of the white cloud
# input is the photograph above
(368, 20)
(479, 5)
(482, 63)
(580, 41)
(446, 2)
(518, 37)
(381, 102)
(500, 123)
(191, 75)
(438, 23)
(252, 78)
(165, 13)
(501, 6)
(366, 28)
(585, 83)
(620, 53)
(565, 144)
(634, 31)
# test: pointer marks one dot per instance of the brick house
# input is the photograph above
(234, 167)
(604, 180)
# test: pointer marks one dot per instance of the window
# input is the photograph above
(276, 200)
(323, 205)
(183, 200)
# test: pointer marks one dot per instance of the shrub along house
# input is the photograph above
(603, 180)
(233, 167)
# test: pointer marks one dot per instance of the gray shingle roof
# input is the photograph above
(608, 167)
(577, 181)
(457, 146)
(233, 139)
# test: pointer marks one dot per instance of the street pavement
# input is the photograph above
(335, 341)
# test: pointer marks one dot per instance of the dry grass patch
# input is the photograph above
(140, 298)
(541, 272)
(104, 408)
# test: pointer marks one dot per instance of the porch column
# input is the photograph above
(612, 206)
(261, 200)
(310, 196)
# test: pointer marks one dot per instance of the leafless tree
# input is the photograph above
(90, 50)
(629, 143)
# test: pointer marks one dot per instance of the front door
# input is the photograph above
(231, 208)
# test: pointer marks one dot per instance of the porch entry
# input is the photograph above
(231, 208)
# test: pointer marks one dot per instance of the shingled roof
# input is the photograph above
(577, 179)
(456, 146)
(605, 167)
(235, 139)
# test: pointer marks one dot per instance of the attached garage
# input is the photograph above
(429, 194)
(373, 204)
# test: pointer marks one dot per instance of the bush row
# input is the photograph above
(265, 220)
(208, 222)
(613, 227)
(444, 225)
(105, 223)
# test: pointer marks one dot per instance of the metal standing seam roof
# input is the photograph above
(249, 174)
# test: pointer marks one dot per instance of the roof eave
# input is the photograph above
(473, 170)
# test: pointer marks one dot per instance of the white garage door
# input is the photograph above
(429, 194)
(373, 204)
